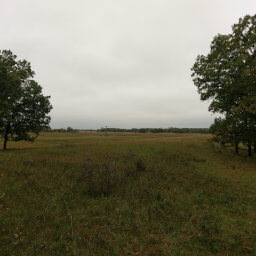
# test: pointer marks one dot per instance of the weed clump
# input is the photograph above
(109, 176)
(100, 179)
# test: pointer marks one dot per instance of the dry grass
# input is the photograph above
(126, 194)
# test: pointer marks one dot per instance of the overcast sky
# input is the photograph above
(120, 63)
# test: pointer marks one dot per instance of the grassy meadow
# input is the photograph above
(126, 194)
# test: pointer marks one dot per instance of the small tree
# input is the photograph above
(23, 108)
(227, 77)
(226, 131)
(70, 129)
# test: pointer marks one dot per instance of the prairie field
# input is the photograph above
(106, 194)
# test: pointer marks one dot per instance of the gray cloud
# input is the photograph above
(122, 63)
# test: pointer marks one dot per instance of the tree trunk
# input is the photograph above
(249, 149)
(5, 141)
(236, 147)
(254, 148)
(7, 129)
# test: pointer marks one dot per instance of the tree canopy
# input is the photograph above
(23, 107)
(227, 77)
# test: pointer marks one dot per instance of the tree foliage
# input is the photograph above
(227, 77)
(23, 107)
(157, 130)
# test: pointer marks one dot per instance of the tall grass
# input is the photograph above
(126, 194)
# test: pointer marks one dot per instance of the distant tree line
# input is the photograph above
(68, 129)
(227, 77)
(157, 130)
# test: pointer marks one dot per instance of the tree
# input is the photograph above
(70, 129)
(226, 131)
(227, 77)
(23, 108)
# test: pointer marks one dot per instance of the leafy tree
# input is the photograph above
(23, 108)
(70, 129)
(227, 77)
(226, 131)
